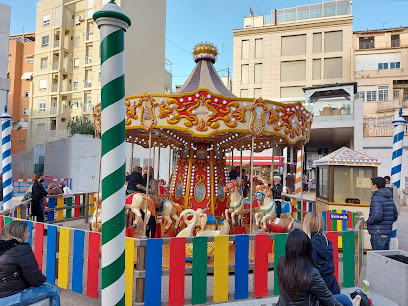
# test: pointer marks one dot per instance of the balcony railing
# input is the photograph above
(64, 110)
(56, 43)
(55, 66)
(380, 127)
(88, 60)
(89, 36)
(59, 133)
(54, 88)
(88, 84)
(53, 110)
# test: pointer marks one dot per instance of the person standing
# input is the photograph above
(234, 174)
(154, 194)
(37, 196)
(65, 189)
(383, 213)
(387, 180)
(277, 197)
(134, 179)
(290, 183)
(22, 282)
(54, 190)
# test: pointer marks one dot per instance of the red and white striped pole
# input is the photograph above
(298, 181)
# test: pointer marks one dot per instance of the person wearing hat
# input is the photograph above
(277, 196)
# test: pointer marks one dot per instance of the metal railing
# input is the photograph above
(88, 60)
(54, 87)
(59, 133)
(88, 84)
(53, 110)
(21, 186)
(89, 36)
(55, 66)
(56, 43)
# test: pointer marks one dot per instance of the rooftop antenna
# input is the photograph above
(384, 23)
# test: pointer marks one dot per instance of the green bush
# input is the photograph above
(81, 125)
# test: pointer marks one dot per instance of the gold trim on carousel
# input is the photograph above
(180, 180)
(258, 102)
(190, 167)
(150, 100)
(342, 204)
(212, 180)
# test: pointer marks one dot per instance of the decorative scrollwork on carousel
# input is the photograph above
(201, 126)
(97, 110)
(257, 124)
(183, 109)
(147, 112)
(130, 111)
(165, 111)
(239, 114)
(221, 111)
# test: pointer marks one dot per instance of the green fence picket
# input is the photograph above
(199, 277)
(348, 259)
(68, 213)
(280, 246)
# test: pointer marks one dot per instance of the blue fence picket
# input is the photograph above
(51, 253)
(78, 261)
(154, 249)
(241, 266)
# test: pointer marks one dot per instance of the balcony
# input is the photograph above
(89, 36)
(88, 60)
(53, 110)
(380, 127)
(331, 110)
(54, 88)
(88, 84)
(56, 43)
(59, 133)
(55, 66)
(64, 110)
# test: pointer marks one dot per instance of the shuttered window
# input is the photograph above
(244, 93)
(258, 73)
(258, 48)
(244, 74)
(317, 69)
(290, 92)
(333, 41)
(317, 42)
(293, 45)
(245, 49)
(257, 93)
(333, 68)
(293, 71)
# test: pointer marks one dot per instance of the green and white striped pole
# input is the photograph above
(112, 24)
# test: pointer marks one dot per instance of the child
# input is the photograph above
(309, 185)
(313, 226)
(277, 197)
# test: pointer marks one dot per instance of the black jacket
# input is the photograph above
(315, 291)
(135, 178)
(37, 195)
(323, 257)
(277, 191)
(383, 213)
(18, 267)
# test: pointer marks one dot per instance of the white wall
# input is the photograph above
(4, 41)
(23, 161)
(370, 61)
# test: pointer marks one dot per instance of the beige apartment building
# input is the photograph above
(66, 74)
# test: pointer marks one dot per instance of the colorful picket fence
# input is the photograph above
(333, 223)
(303, 207)
(22, 185)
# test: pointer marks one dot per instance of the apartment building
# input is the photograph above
(66, 79)
(20, 72)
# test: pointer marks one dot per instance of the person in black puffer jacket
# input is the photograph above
(383, 213)
(277, 197)
(300, 283)
(21, 281)
(313, 226)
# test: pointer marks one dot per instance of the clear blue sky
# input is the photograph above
(193, 21)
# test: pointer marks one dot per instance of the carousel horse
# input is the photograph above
(136, 203)
(188, 232)
(236, 201)
(171, 211)
(96, 221)
(267, 209)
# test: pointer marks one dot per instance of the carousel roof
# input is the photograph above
(204, 111)
(347, 157)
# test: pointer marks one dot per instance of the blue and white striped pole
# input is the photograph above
(399, 128)
(6, 159)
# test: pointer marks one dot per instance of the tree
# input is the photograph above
(81, 125)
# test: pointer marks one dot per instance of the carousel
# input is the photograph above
(201, 123)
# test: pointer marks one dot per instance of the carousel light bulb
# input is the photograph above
(208, 96)
(224, 102)
(181, 99)
(215, 100)
(210, 112)
(245, 105)
(197, 95)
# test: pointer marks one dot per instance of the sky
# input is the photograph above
(189, 22)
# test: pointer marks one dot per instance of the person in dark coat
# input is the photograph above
(383, 213)
(290, 182)
(277, 197)
(37, 196)
(21, 281)
(134, 179)
(313, 226)
(234, 174)
(54, 190)
(300, 282)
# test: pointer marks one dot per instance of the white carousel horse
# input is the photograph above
(236, 201)
(137, 204)
(171, 211)
(267, 209)
(96, 222)
(188, 232)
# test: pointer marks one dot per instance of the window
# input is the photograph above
(293, 71)
(317, 42)
(258, 48)
(74, 106)
(293, 45)
(333, 41)
(30, 60)
(366, 42)
(76, 63)
(395, 41)
(258, 73)
(245, 49)
(78, 20)
(75, 85)
(57, 19)
(45, 40)
(43, 84)
(333, 68)
(371, 96)
(26, 94)
(395, 65)
(46, 20)
(396, 93)
(40, 130)
(382, 93)
(26, 111)
(44, 62)
(361, 95)
(257, 92)
(244, 93)
(21, 141)
(76, 41)
(382, 66)
(41, 145)
(42, 106)
(244, 74)
(317, 69)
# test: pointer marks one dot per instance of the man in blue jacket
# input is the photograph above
(383, 213)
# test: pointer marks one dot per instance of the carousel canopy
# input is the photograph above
(204, 111)
(347, 157)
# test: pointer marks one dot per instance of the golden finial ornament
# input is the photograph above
(205, 50)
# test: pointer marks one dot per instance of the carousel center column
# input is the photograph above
(112, 24)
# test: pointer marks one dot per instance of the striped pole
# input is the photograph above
(399, 127)
(6, 160)
(299, 179)
(112, 24)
